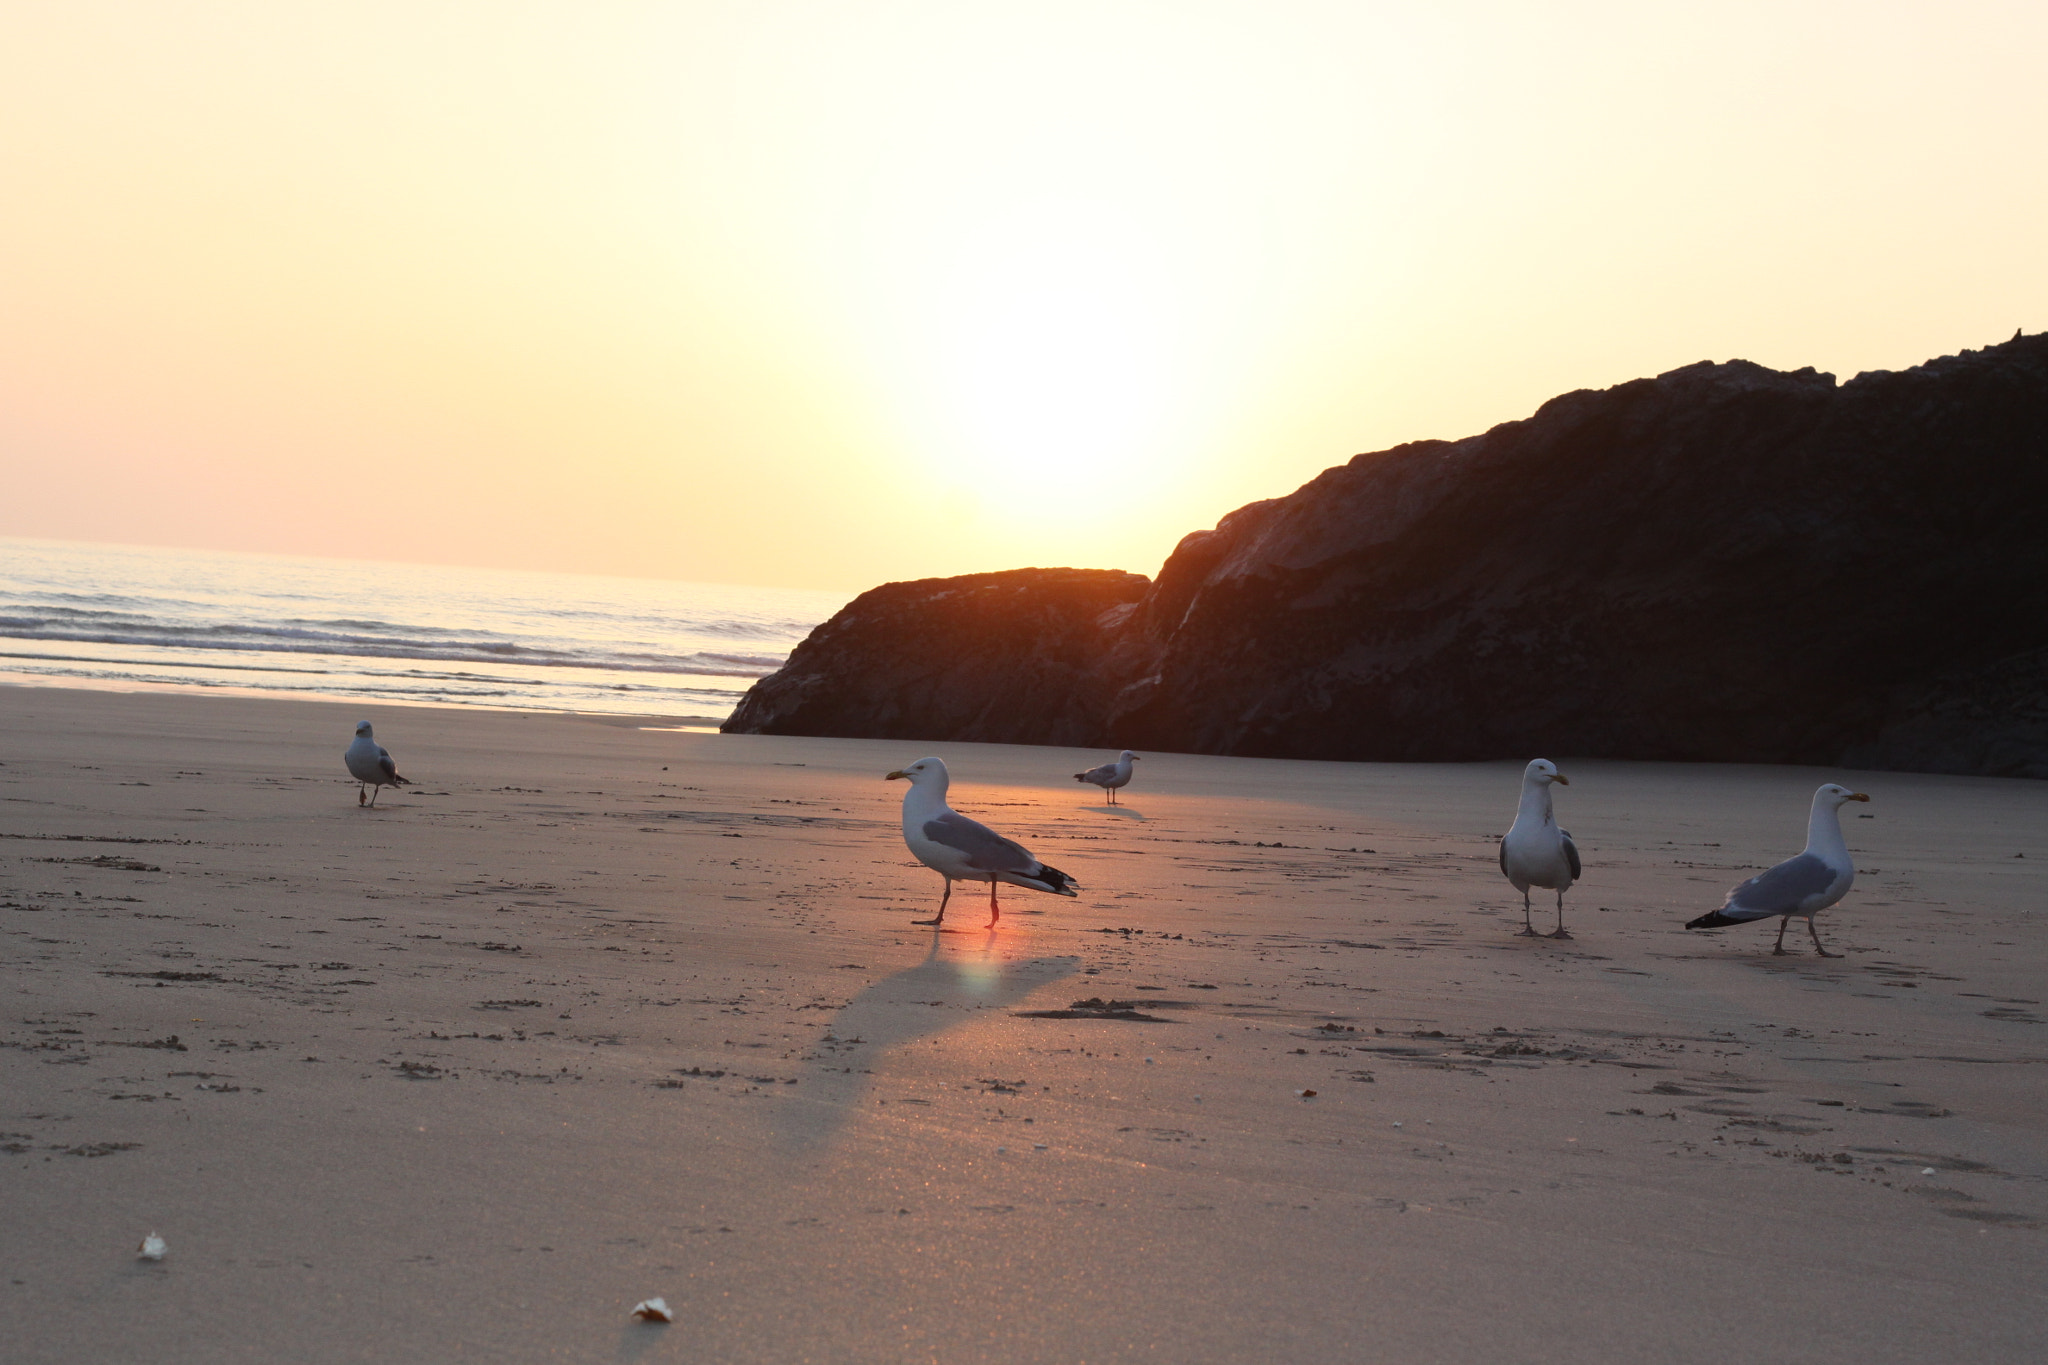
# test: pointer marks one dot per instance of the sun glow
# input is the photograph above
(1046, 363)
(713, 291)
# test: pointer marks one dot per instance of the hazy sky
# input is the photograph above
(822, 294)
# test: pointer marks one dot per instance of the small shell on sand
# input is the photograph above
(653, 1310)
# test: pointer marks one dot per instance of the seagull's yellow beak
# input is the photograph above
(893, 776)
(1561, 780)
(1858, 796)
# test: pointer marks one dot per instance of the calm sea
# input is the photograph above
(116, 616)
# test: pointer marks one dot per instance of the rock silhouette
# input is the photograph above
(1001, 657)
(1725, 563)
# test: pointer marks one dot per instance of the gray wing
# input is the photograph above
(1503, 856)
(986, 850)
(1571, 854)
(1779, 891)
(385, 765)
(1101, 774)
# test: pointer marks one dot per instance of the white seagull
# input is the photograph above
(1535, 852)
(964, 850)
(369, 765)
(1110, 776)
(1801, 886)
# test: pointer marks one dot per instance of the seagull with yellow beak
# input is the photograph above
(1802, 886)
(1535, 852)
(964, 850)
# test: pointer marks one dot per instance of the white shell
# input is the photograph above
(152, 1248)
(653, 1310)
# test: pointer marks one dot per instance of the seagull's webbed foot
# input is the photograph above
(362, 797)
(936, 919)
(1779, 951)
(1528, 931)
(1557, 933)
(1822, 952)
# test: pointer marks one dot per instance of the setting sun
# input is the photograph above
(1042, 367)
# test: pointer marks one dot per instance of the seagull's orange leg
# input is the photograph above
(940, 917)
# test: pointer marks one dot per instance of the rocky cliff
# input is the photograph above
(1002, 657)
(1723, 563)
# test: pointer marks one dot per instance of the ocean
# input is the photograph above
(132, 617)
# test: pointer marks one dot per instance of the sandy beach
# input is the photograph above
(595, 1013)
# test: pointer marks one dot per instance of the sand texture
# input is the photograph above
(594, 1014)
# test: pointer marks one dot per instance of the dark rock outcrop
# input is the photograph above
(1724, 563)
(1001, 657)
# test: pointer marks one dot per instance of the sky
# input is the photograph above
(810, 294)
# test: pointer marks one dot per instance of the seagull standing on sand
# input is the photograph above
(1535, 852)
(1110, 776)
(964, 850)
(1800, 886)
(369, 765)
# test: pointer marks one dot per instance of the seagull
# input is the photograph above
(369, 765)
(1110, 776)
(1801, 886)
(1535, 852)
(964, 850)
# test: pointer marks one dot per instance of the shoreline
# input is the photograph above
(596, 1013)
(123, 617)
(31, 682)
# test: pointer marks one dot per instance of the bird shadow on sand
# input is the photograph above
(1125, 811)
(954, 982)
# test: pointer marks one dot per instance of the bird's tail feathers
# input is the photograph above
(1056, 881)
(1715, 920)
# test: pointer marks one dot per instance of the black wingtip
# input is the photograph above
(1056, 881)
(1715, 920)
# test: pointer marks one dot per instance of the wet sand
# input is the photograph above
(592, 1014)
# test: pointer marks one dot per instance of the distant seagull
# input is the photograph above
(1801, 886)
(1110, 776)
(964, 850)
(1535, 852)
(369, 765)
